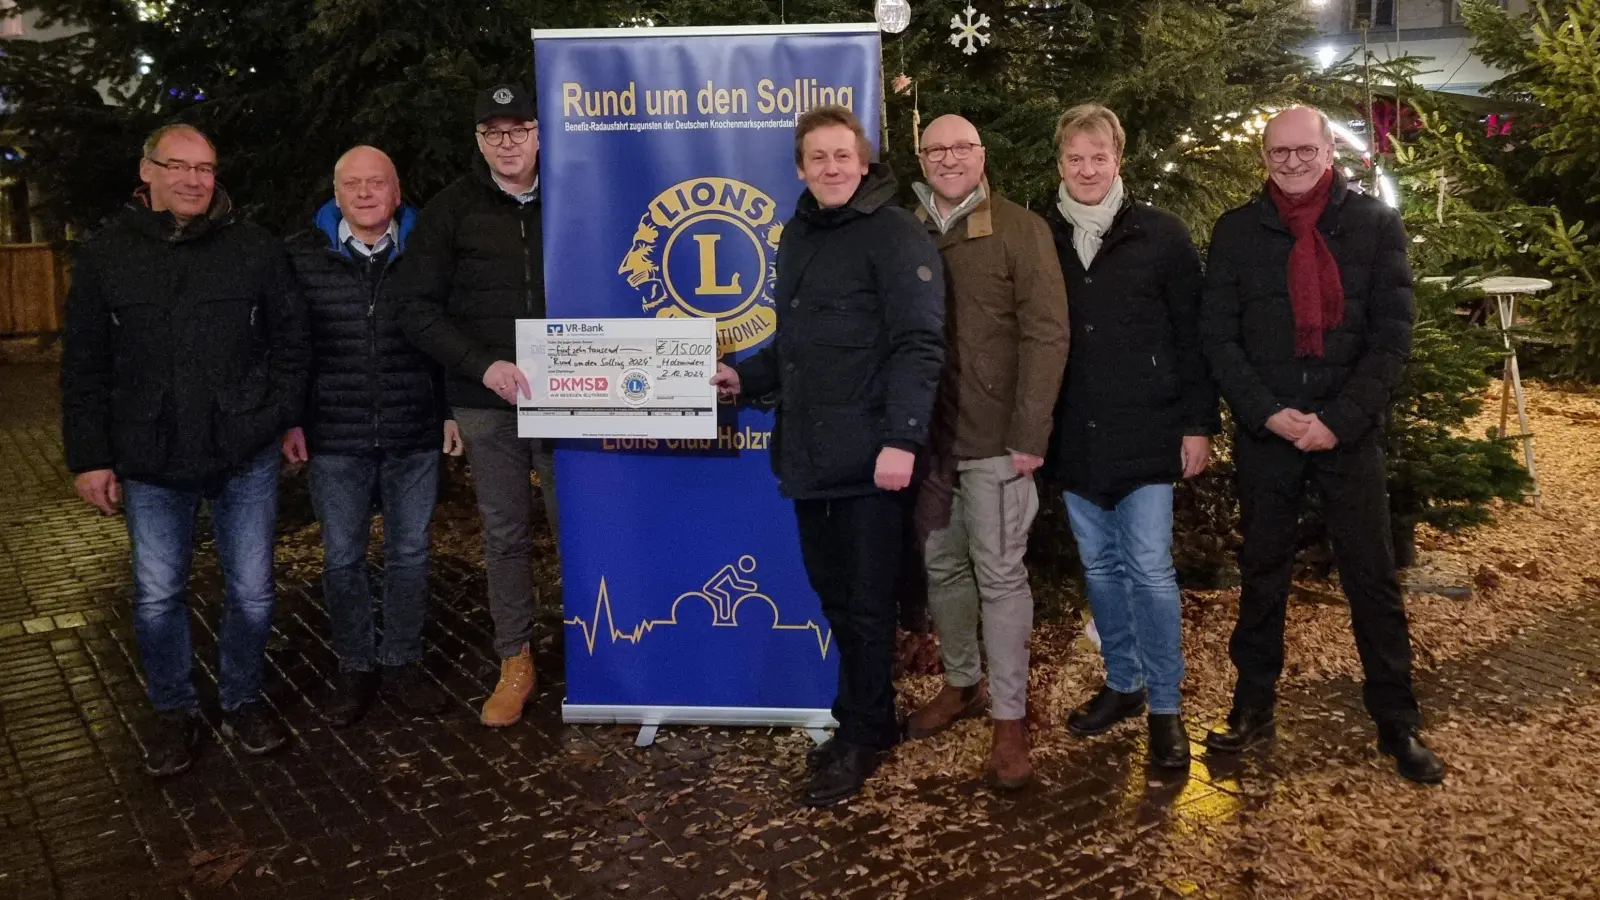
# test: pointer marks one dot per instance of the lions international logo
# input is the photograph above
(502, 96)
(708, 247)
(636, 388)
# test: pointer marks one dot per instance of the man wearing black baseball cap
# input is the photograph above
(478, 267)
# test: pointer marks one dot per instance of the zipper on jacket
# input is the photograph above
(527, 262)
(373, 286)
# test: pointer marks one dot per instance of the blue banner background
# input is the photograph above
(682, 576)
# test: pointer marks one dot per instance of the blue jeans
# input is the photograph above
(161, 522)
(343, 491)
(1133, 591)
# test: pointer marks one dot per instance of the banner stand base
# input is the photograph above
(650, 718)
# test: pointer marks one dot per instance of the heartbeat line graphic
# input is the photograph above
(714, 593)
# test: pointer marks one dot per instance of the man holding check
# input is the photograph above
(477, 265)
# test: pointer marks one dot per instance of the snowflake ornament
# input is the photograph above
(969, 31)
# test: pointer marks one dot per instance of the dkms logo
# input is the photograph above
(708, 248)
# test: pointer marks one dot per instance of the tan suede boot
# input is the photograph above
(947, 707)
(1009, 766)
(517, 681)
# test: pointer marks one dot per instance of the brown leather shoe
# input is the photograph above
(949, 706)
(1009, 766)
(517, 681)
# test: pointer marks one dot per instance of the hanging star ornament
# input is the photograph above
(901, 83)
(969, 31)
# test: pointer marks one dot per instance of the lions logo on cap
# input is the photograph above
(502, 96)
(708, 247)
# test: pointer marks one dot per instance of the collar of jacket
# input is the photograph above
(328, 217)
(482, 174)
(1328, 224)
(1121, 225)
(979, 222)
(874, 192)
(164, 226)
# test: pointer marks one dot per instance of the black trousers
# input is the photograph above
(853, 550)
(1272, 479)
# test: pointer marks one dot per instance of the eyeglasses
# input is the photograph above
(1281, 154)
(494, 137)
(204, 170)
(959, 151)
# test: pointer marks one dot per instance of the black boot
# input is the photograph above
(1413, 760)
(170, 745)
(1105, 710)
(843, 776)
(819, 756)
(1169, 743)
(1246, 727)
(351, 695)
(414, 689)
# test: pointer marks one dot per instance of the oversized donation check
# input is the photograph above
(618, 378)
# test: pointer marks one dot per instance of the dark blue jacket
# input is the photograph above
(371, 390)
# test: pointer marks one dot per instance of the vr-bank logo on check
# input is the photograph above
(555, 329)
(707, 248)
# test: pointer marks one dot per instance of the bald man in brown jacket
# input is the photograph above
(1007, 333)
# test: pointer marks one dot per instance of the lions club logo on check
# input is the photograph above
(635, 387)
(707, 248)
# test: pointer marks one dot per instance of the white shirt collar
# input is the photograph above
(348, 238)
(523, 197)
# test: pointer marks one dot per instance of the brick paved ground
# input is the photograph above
(415, 807)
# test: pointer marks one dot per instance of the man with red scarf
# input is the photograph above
(1306, 323)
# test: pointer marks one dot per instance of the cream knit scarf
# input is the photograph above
(1090, 223)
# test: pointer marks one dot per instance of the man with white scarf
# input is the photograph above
(1135, 414)
(1006, 334)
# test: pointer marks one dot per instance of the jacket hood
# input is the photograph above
(328, 218)
(877, 189)
(165, 226)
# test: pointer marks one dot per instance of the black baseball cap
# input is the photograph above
(505, 100)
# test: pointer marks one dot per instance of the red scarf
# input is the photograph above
(1315, 290)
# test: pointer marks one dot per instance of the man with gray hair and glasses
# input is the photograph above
(1306, 322)
(184, 360)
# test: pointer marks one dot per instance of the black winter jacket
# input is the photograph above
(860, 341)
(371, 390)
(1136, 380)
(1248, 322)
(185, 349)
(476, 266)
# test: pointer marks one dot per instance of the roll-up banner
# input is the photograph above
(667, 170)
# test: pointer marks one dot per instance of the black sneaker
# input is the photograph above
(413, 688)
(352, 693)
(171, 743)
(256, 731)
